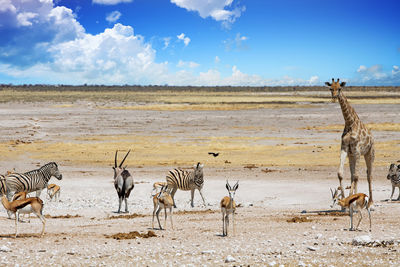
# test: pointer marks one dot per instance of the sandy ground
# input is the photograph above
(80, 227)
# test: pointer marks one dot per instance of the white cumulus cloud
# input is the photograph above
(190, 64)
(219, 10)
(185, 39)
(113, 16)
(376, 75)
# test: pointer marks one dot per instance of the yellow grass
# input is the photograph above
(385, 126)
(165, 150)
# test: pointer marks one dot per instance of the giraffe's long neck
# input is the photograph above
(349, 114)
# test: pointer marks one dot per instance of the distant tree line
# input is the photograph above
(149, 88)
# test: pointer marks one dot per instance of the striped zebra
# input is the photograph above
(186, 180)
(35, 180)
(3, 185)
(394, 177)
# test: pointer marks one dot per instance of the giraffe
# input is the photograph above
(356, 141)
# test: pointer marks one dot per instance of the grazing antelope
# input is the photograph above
(163, 200)
(156, 186)
(123, 181)
(355, 202)
(394, 177)
(186, 180)
(25, 206)
(228, 206)
(53, 191)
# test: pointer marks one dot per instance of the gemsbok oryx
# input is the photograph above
(123, 181)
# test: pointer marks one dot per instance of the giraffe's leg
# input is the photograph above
(343, 155)
(354, 163)
(369, 160)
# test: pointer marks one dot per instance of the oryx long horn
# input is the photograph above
(122, 162)
(116, 153)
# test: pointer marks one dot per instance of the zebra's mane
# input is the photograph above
(42, 167)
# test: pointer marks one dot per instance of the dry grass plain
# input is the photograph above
(283, 147)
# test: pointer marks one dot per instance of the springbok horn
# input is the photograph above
(122, 162)
(228, 185)
(331, 192)
(116, 153)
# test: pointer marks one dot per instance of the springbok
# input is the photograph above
(123, 181)
(228, 206)
(355, 202)
(163, 200)
(26, 206)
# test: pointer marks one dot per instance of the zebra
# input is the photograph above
(186, 180)
(394, 177)
(35, 180)
(123, 182)
(3, 185)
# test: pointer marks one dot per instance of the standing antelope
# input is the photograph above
(394, 177)
(53, 191)
(123, 181)
(26, 206)
(355, 202)
(162, 200)
(185, 180)
(228, 206)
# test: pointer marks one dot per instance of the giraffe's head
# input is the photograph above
(335, 88)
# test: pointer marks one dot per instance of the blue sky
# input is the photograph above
(197, 42)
